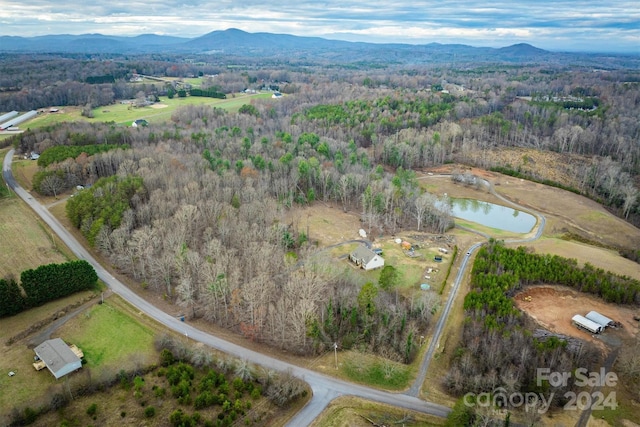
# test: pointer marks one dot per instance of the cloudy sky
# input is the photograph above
(592, 25)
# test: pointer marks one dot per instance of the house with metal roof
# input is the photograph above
(365, 258)
(58, 357)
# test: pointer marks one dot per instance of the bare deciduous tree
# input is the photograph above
(52, 185)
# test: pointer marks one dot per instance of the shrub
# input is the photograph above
(160, 391)
(149, 412)
(255, 393)
(166, 357)
(92, 409)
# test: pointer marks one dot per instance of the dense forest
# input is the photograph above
(195, 209)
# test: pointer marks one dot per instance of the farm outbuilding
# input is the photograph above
(365, 258)
(7, 116)
(584, 323)
(18, 120)
(58, 357)
(600, 319)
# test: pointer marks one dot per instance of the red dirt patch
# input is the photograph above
(554, 306)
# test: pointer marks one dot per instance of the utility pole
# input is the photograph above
(335, 352)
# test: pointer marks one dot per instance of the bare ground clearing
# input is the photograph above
(554, 306)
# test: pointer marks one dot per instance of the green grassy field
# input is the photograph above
(125, 114)
(27, 384)
(109, 336)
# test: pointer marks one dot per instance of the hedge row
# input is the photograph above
(44, 284)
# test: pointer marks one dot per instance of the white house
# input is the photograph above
(366, 258)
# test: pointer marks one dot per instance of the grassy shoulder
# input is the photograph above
(349, 411)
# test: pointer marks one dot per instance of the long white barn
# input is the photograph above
(7, 116)
(600, 319)
(587, 324)
(18, 120)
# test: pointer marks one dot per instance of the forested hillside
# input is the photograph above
(194, 209)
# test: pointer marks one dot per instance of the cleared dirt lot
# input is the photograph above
(554, 306)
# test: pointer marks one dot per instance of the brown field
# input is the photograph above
(605, 259)
(27, 241)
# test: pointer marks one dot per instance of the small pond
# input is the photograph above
(492, 215)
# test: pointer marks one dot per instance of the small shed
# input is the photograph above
(365, 258)
(58, 357)
(600, 319)
(584, 323)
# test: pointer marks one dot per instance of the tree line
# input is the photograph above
(43, 284)
(497, 351)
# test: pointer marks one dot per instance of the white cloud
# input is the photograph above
(575, 24)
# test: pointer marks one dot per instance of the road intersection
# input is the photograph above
(325, 388)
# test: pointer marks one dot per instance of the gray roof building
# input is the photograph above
(364, 257)
(58, 357)
(600, 319)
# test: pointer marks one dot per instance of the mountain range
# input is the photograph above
(238, 43)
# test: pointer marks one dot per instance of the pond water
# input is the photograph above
(492, 215)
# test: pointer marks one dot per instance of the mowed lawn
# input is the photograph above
(111, 335)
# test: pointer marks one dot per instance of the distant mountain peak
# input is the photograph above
(522, 48)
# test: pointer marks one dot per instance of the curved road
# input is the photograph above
(325, 388)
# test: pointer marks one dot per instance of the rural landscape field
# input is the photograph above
(320, 242)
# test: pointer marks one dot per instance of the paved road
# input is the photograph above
(415, 388)
(325, 388)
